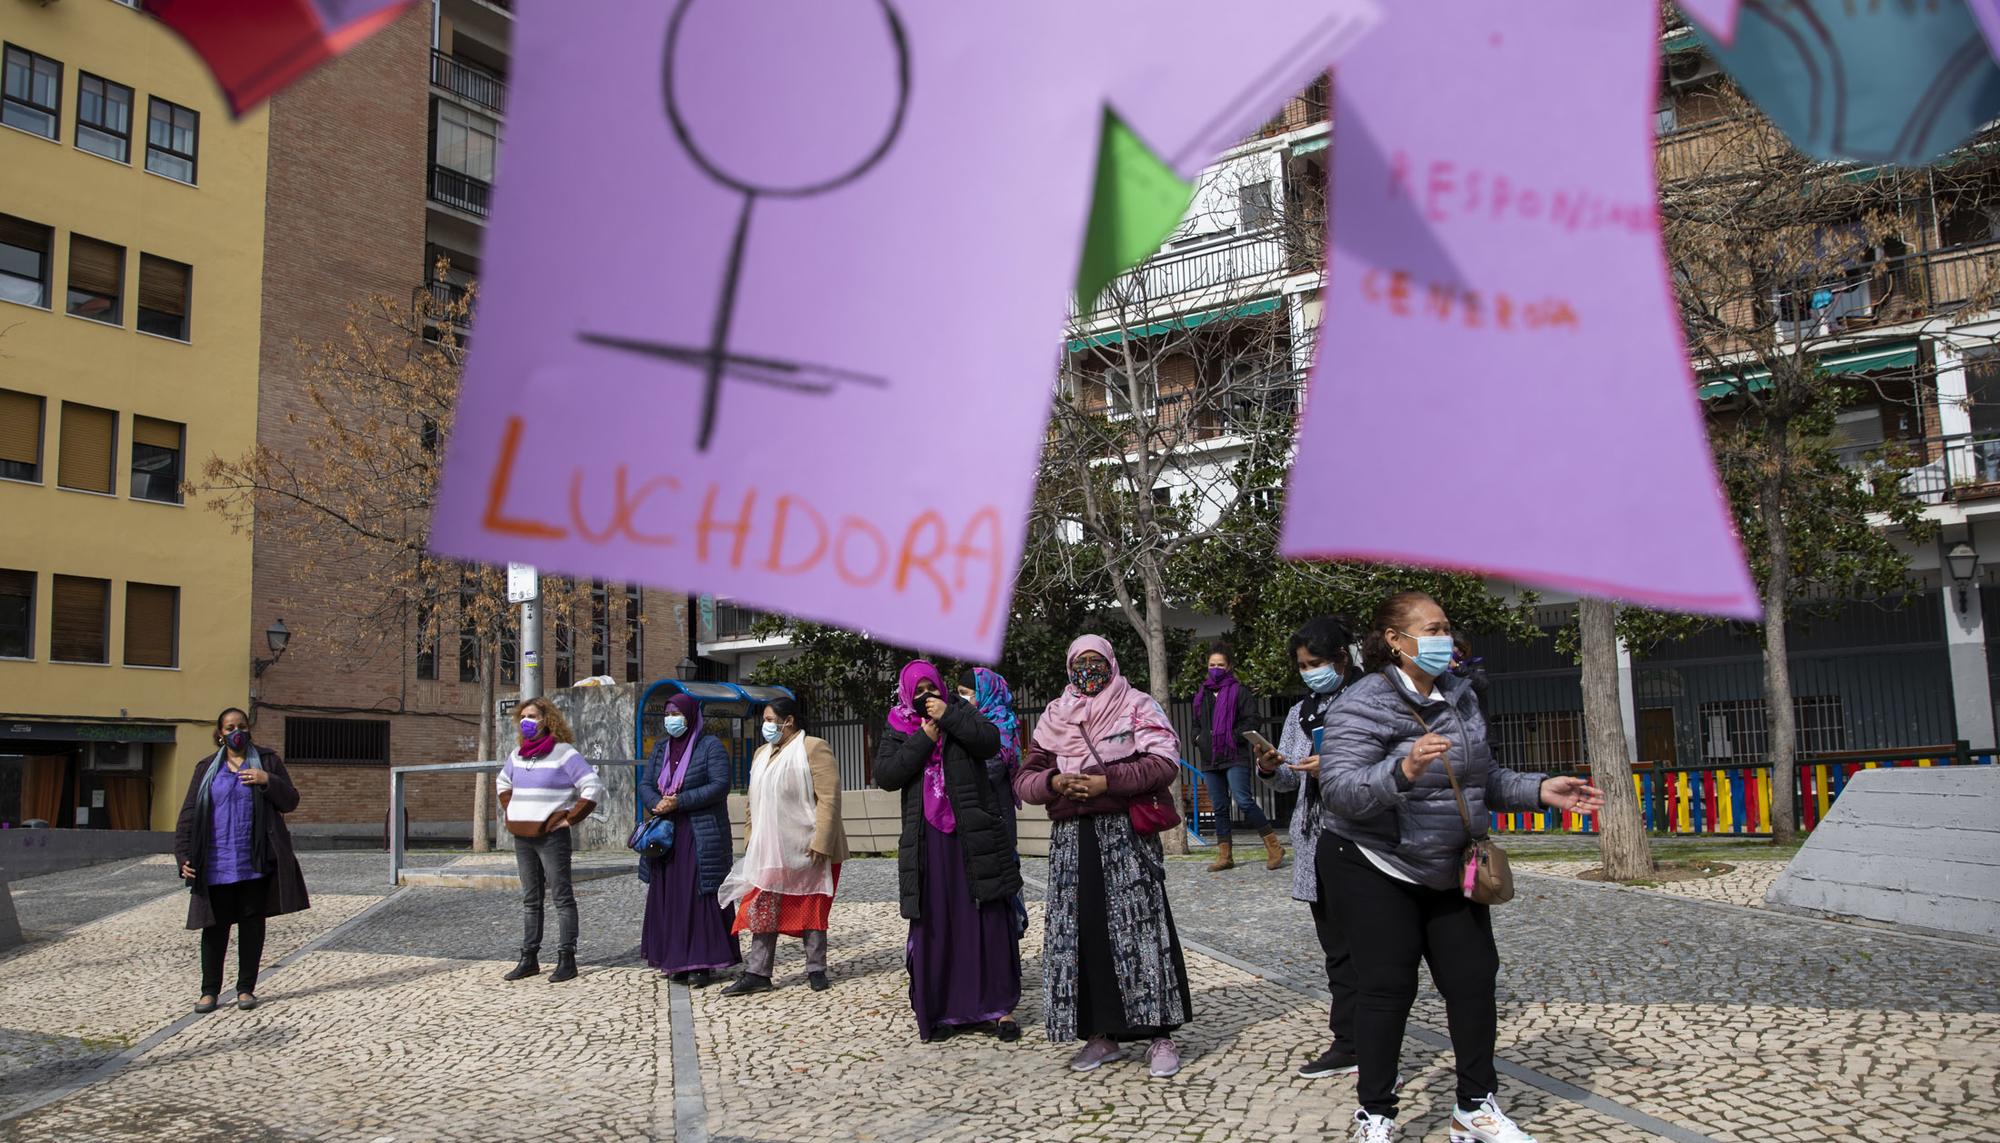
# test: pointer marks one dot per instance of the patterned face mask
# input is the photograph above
(1089, 676)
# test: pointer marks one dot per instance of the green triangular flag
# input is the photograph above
(1136, 204)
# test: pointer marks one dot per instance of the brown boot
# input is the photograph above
(1274, 854)
(1222, 859)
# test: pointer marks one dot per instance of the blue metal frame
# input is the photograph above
(702, 691)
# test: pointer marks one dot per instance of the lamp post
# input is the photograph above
(277, 636)
(1962, 560)
(686, 670)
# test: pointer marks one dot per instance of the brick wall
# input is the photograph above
(345, 222)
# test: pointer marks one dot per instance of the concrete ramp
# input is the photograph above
(1916, 848)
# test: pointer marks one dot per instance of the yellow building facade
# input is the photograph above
(131, 258)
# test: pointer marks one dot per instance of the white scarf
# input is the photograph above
(784, 813)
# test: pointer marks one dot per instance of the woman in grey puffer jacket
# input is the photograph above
(1394, 858)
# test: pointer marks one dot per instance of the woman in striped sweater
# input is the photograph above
(545, 788)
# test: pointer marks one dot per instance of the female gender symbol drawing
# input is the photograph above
(768, 104)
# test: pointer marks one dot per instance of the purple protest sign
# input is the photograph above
(774, 286)
(1717, 17)
(1535, 416)
(1987, 12)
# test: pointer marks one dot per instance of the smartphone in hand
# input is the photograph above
(1259, 741)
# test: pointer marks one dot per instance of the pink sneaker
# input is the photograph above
(1097, 1052)
(1163, 1058)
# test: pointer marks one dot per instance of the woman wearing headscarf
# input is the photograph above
(956, 864)
(793, 845)
(1112, 969)
(1223, 709)
(236, 855)
(1320, 651)
(686, 933)
(995, 699)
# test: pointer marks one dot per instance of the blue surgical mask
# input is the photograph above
(1433, 655)
(677, 725)
(1322, 680)
(772, 733)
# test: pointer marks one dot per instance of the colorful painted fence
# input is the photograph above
(1733, 799)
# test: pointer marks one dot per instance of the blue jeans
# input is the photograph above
(1234, 784)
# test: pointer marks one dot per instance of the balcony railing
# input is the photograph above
(435, 299)
(477, 87)
(1889, 291)
(1182, 272)
(1935, 469)
(460, 191)
(734, 622)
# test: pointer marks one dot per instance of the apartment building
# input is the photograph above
(131, 260)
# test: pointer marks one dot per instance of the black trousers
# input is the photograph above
(1404, 924)
(1339, 964)
(237, 905)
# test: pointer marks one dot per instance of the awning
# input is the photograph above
(1679, 40)
(1900, 356)
(1308, 146)
(1113, 337)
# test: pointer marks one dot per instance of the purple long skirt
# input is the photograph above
(964, 960)
(685, 930)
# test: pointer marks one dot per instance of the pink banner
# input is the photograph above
(1517, 401)
(774, 288)
(1716, 17)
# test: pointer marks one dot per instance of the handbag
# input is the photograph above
(1153, 813)
(653, 837)
(1486, 877)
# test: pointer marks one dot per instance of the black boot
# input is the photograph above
(748, 983)
(818, 981)
(565, 966)
(530, 966)
(700, 978)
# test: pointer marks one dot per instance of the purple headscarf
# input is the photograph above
(675, 752)
(905, 717)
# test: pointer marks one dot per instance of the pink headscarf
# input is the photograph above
(905, 717)
(1119, 720)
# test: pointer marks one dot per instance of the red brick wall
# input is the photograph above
(335, 794)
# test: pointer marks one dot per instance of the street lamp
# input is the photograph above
(687, 669)
(276, 636)
(1963, 561)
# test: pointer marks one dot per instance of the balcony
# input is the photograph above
(733, 622)
(1890, 291)
(1182, 275)
(460, 191)
(434, 301)
(473, 85)
(1936, 469)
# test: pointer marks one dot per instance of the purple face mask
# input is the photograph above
(530, 728)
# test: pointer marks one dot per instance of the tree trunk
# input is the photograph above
(1173, 840)
(1621, 832)
(481, 810)
(1781, 731)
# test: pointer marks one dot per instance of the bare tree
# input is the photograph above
(1621, 832)
(354, 505)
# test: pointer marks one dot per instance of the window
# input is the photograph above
(466, 141)
(33, 89)
(172, 133)
(350, 740)
(1665, 118)
(17, 614)
(1118, 394)
(1253, 207)
(89, 441)
(1736, 731)
(510, 648)
(20, 436)
(427, 639)
(600, 629)
(82, 620)
(566, 637)
(163, 296)
(634, 600)
(24, 261)
(156, 459)
(152, 624)
(103, 117)
(468, 633)
(1544, 740)
(96, 280)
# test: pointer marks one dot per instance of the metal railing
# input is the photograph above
(469, 83)
(1194, 270)
(1934, 469)
(460, 191)
(435, 298)
(399, 804)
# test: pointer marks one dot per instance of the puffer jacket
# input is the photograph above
(992, 867)
(704, 799)
(1415, 827)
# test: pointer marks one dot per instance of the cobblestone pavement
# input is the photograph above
(1731, 1024)
(1744, 884)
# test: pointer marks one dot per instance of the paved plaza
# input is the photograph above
(1626, 1014)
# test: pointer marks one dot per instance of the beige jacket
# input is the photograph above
(829, 832)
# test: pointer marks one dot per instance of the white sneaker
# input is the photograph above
(1488, 1124)
(1372, 1129)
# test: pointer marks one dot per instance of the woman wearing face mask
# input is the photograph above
(686, 933)
(956, 864)
(1112, 970)
(793, 846)
(236, 855)
(545, 788)
(1395, 862)
(988, 691)
(1223, 709)
(1319, 649)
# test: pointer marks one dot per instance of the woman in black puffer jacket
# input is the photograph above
(1394, 862)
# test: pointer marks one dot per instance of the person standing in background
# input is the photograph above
(545, 788)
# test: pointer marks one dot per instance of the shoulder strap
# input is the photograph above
(1464, 811)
